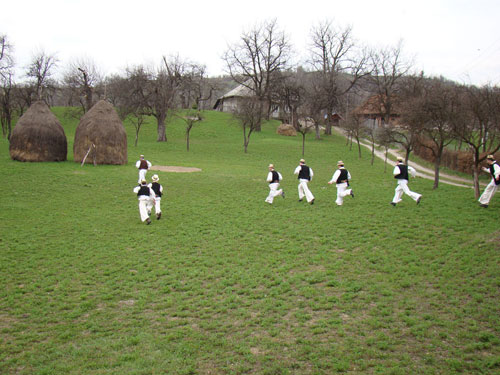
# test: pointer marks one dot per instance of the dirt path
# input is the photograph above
(422, 171)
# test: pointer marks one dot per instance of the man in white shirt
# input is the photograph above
(305, 175)
(401, 173)
(341, 178)
(492, 187)
(274, 178)
(158, 190)
(143, 165)
(145, 195)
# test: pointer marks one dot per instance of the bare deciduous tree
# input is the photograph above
(256, 61)
(39, 72)
(436, 110)
(6, 85)
(249, 115)
(479, 125)
(82, 77)
(339, 64)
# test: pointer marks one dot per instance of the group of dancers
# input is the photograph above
(149, 195)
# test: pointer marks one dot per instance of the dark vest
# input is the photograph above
(304, 173)
(492, 171)
(403, 172)
(276, 177)
(143, 165)
(144, 190)
(342, 176)
(156, 188)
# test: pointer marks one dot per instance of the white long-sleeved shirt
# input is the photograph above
(411, 171)
(270, 176)
(138, 164)
(496, 170)
(337, 174)
(297, 171)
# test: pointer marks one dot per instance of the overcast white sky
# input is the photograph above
(459, 39)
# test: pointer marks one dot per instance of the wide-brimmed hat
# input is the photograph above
(400, 158)
(302, 161)
(340, 162)
(143, 182)
(271, 166)
(491, 157)
(155, 178)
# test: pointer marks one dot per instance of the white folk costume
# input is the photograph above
(401, 173)
(145, 195)
(274, 178)
(143, 165)
(492, 187)
(158, 191)
(341, 178)
(305, 175)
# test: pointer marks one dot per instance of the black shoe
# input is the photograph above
(419, 199)
(312, 202)
(483, 205)
(352, 193)
(300, 200)
(394, 204)
(148, 221)
(158, 216)
(283, 194)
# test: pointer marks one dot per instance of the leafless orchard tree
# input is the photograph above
(479, 125)
(389, 68)
(39, 72)
(339, 64)
(249, 115)
(7, 85)
(436, 110)
(82, 77)
(190, 118)
(256, 61)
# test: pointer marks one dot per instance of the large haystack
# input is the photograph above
(286, 129)
(38, 136)
(102, 127)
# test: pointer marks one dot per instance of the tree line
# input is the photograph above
(336, 76)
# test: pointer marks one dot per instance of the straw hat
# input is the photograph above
(491, 157)
(340, 162)
(302, 161)
(271, 166)
(400, 159)
(155, 178)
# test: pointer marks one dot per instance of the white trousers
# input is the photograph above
(273, 191)
(156, 204)
(143, 207)
(142, 174)
(488, 192)
(342, 191)
(403, 188)
(304, 191)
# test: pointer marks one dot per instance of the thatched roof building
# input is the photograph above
(101, 127)
(38, 136)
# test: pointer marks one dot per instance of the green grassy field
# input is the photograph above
(227, 284)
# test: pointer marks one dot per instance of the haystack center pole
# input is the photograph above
(87, 154)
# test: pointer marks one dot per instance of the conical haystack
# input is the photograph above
(38, 136)
(101, 127)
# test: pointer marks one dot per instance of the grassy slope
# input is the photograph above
(226, 284)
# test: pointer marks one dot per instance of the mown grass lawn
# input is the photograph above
(226, 284)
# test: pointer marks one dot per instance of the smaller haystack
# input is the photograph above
(38, 136)
(286, 129)
(101, 127)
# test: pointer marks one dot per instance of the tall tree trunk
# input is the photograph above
(316, 128)
(187, 140)
(437, 163)
(475, 173)
(162, 129)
